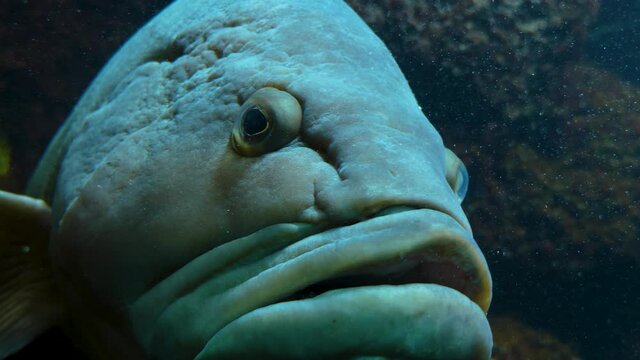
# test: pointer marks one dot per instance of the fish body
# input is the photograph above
(254, 179)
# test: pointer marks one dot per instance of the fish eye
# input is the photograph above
(457, 175)
(268, 120)
(255, 122)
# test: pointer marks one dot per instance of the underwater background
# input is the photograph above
(540, 99)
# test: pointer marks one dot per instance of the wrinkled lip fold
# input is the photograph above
(407, 284)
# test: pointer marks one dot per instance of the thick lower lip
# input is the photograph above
(413, 321)
(432, 263)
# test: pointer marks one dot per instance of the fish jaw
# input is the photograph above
(421, 261)
(414, 321)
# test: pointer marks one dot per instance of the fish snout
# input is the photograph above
(381, 170)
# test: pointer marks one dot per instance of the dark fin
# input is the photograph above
(29, 303)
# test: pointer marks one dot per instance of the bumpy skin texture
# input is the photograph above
(39, 82)
(149, 140)
(147, 180)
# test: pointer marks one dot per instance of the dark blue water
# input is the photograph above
(614, 42)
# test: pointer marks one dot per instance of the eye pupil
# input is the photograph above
(254, 122)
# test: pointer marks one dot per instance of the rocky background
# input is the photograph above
(541, 100)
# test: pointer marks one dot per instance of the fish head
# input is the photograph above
(268, 177)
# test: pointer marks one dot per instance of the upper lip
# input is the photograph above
(392, 209)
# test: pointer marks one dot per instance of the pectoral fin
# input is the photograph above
(28, 301)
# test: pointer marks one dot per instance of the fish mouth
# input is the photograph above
(409, 283)
(451, 262)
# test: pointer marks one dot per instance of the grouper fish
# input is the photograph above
(247, 180)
